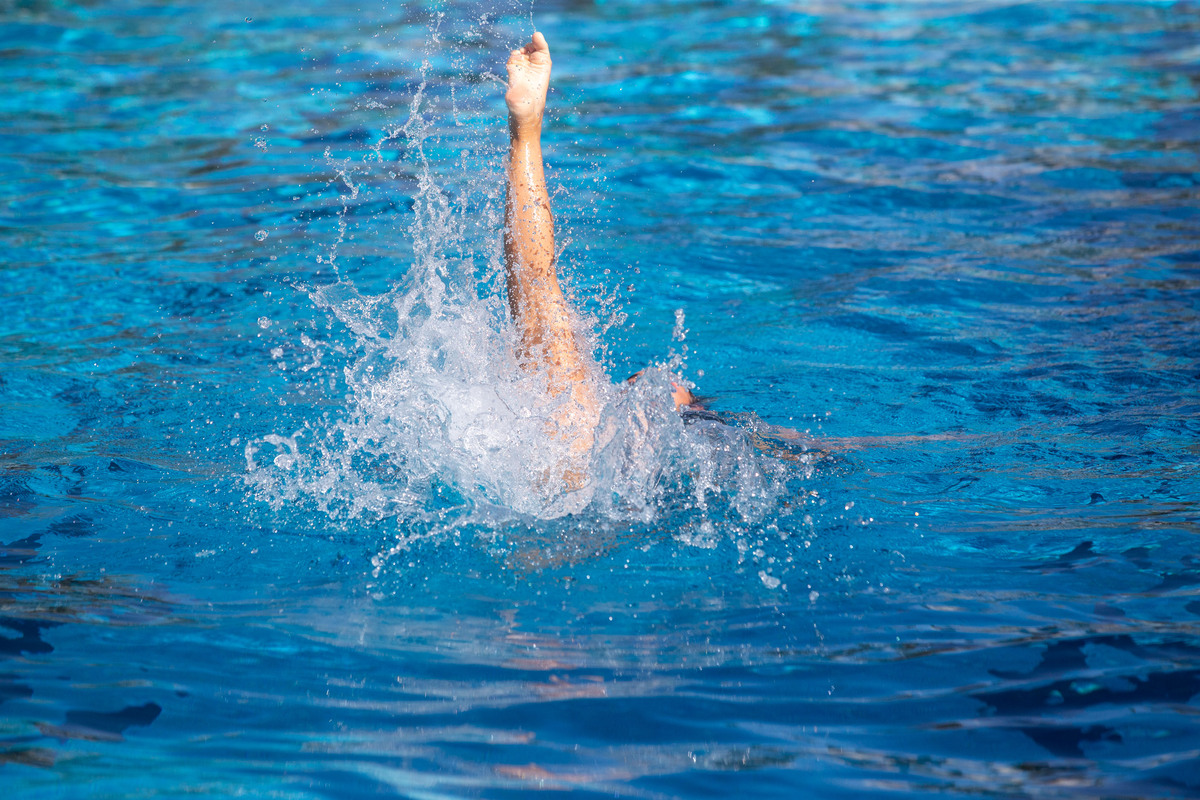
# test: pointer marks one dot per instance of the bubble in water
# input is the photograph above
(261, 235)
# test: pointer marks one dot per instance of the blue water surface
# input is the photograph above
(956, 243)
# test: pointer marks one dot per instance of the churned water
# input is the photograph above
(274, 515)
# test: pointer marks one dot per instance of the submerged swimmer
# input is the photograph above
(548, 339)
(545, 322)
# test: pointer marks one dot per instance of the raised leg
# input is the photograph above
(548, 339)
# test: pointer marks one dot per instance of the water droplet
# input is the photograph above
(769, 580)
(261, 235)
(264, 323)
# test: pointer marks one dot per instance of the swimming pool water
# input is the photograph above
(248, 545)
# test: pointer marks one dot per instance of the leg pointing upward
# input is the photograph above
(545, 322)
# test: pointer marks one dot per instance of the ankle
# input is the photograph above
(527, 130)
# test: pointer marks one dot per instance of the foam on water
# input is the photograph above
(434, 424)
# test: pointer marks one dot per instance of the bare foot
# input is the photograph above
(528, 81)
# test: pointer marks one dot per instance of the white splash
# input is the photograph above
(434, 425)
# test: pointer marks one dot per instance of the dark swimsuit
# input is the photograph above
(690, 415)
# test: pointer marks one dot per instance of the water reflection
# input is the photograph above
(32, 606)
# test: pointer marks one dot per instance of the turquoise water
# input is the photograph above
(267, 520)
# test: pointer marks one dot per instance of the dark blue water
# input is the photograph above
(266, 522)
